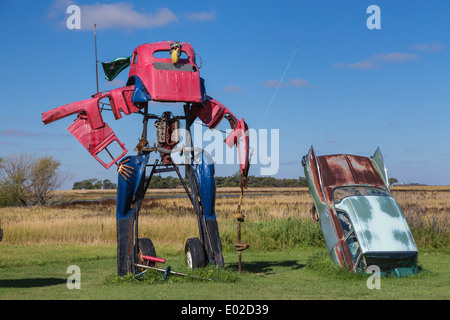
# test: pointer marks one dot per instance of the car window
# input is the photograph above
(349, 235)
(340, 193)
(166, 54)
(353, 246)
(345, 223)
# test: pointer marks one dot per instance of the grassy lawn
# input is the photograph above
(39, 272)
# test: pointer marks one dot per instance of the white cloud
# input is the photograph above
(395, 57)
(297, 83)
(231, 88)
(378, 60)
(431, 47)
(122, 15)
(200, 16)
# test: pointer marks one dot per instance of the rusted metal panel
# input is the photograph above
(344, 170)
(315, 174)
(346, 255)
(312, 175)
(337, 224)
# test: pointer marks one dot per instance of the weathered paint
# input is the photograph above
(312, 175)
(379, 227)
(344, 170)
(328, 229)
(379, 224)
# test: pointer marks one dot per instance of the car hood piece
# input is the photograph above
(379, 224)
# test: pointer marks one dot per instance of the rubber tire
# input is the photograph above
(195, 253)
(147, 248)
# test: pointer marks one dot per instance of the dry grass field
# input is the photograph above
(167, 217)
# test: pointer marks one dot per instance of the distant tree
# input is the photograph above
(98, 184)
(392, 181)
(28, 179)
(76, 185)
(302, 182)
(13, 173)
(87, 184)
(109, 185)
(91, 184)
(44, 179)
(253, 181)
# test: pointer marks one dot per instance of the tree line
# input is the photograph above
(170, 182)
(91, 184)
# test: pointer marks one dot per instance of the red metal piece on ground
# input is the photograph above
(154, 259)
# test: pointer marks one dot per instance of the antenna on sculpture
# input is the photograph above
(96, 61)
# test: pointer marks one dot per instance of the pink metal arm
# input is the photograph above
(89, 128)
(212, 114)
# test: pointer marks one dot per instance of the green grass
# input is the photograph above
(273, 234)
(39, 272)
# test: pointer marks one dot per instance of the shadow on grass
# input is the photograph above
(266, 267)
(31, 282)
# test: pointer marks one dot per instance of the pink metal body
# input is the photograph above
(164, 80)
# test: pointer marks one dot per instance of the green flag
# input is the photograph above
(113, 68)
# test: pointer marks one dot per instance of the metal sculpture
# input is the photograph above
(172, 79)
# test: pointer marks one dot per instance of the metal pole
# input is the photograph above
(96, 61)
(239, 252)
(170, 271)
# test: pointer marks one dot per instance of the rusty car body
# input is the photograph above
(361, 222)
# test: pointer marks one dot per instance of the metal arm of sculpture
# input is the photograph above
(212, 113)
(89, 128)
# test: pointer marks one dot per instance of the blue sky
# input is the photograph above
(348, 89)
